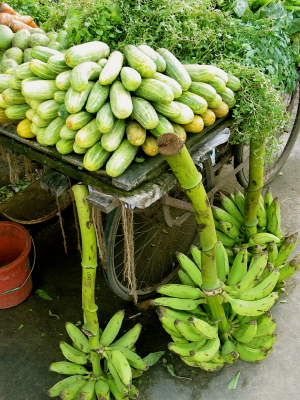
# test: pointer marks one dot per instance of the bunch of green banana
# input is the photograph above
(119, 363)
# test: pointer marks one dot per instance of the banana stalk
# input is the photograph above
(89, 267)
(256, 182)
(177, 156)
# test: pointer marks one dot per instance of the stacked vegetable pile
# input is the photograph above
(252, 273)
(107, 104)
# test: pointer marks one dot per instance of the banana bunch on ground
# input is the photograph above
(118, 360)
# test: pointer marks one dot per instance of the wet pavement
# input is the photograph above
(30, 332)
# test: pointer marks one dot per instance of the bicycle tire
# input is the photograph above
(288, 139)
(155, 260)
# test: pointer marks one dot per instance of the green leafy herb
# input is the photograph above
(43, 294)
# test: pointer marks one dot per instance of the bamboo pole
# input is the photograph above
(89, 267)
(177, 156)
(256, 183)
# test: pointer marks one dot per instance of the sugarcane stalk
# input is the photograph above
(256, 183)
(89, 268)
(179, 159)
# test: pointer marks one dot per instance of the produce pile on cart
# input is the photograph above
(105, 104)
(112, 105)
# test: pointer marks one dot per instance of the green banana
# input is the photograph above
(229, 229)
(261, 214)
(287, 270)
(196, 254)
(129, 338)
(72, 354)
(72, 391)
(210, 366)
(217, 224)
(274, 217)
(123, 390)
(265, 342)
(227, 347)
(87, 391)
(112, 329)
(181, 291)
(268, 198)
(222, 263)
(185, 329)
(133, 392)
(225, 239)
(265, 328)
(184, 349)
(263, 289)
(239, 201)
(262, 238)
(115, 391)
(286, 249)
(207, 352)
(136, 373)
(121, 365)
(185, 279)
(77, 337)
(190, 268)
(134, 359)
(168, 325)
(173, 314)
(253, 274)
(68, 368)
(239, 267)
(254, 307)
(203, 328)
(222, 215)
(247, 332)
(189, 361)
(231, 358)
(272, 251)
(176, 303)
(179, 340)
(247, 353)
(102, 389)
(171, 332)
(55, 390)
(231, 208)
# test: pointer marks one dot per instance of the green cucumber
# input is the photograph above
(75, 101)
(78, 150)
(13, 96)
(105, 118)
(67, 133)
(200, 73)
(197, 103)
(163, 126)
(218, 84)
(14, 82)
(88, 135)
(144, 113)
(89, 51)
(23, 71)
(57, 63)
(41, 122)
(95, 157)
(17, 111)
(167, 109)
(63, 80)
(130, 78)
(139, 61)
(39, 89)
(83, 73)
(64, 146)
(59, 96)
(4, 82)
(97, 97)
(43, 53)
(120, 100)
(155, 56)
(112, 68)
(121, 158)
(185, 117)
(51, 134)
(174, 85)
(233, 82)
(154, 90)
(78, 120)
(41, 69)
(111, 140)
(175, 69)
(204, 90)
(48, 109)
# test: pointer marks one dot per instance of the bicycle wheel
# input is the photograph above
(159, 231)
(286, 143)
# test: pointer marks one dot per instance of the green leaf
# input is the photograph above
(21, 326)
(152, 358)
(232, 384)
(43, 294)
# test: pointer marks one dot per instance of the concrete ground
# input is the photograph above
(30, 332)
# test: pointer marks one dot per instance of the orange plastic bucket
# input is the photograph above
(15, 272)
